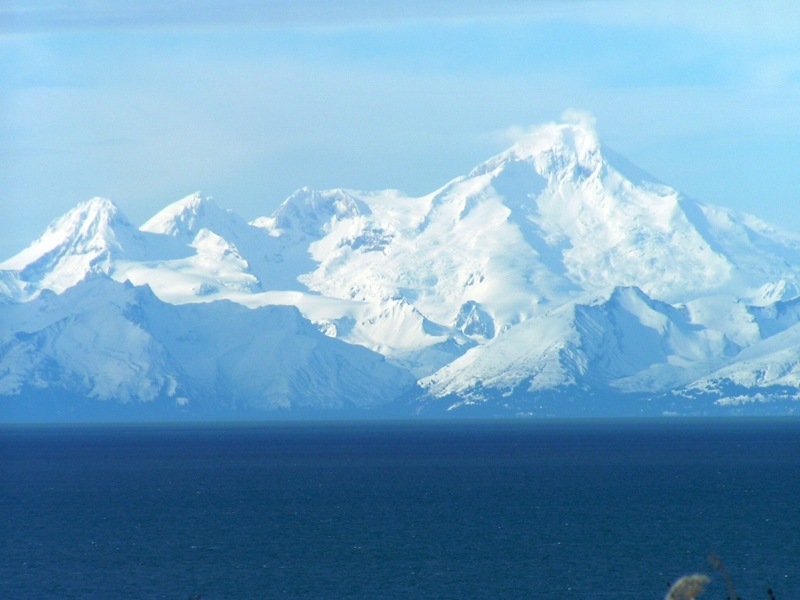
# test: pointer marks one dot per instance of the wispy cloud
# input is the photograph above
(53, 15)
(773, 19)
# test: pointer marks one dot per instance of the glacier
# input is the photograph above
(555, 278)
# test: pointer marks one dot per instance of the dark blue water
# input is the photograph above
(594, 510)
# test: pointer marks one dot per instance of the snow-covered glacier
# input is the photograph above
(554, 278)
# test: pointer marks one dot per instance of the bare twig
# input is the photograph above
(716, 562)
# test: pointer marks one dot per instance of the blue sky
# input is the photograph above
(144, 102)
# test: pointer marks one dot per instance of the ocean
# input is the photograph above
(408, 509)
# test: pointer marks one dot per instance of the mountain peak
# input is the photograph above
(195, 201)
(575, 137)
(308, 210)
(82, 240)
(97, 205)
(89, 215)
(185, 217)
(567, 148)
(87, 228)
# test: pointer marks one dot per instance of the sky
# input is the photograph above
(145, 102)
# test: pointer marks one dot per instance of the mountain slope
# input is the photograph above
(117, 343)
(624, 342)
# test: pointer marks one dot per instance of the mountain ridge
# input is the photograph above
(554, 267)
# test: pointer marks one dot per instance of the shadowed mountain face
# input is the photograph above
(554, 268)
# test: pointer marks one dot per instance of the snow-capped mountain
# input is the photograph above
(625, 340)
(88, 238)
(555, 268)
(116, 343)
